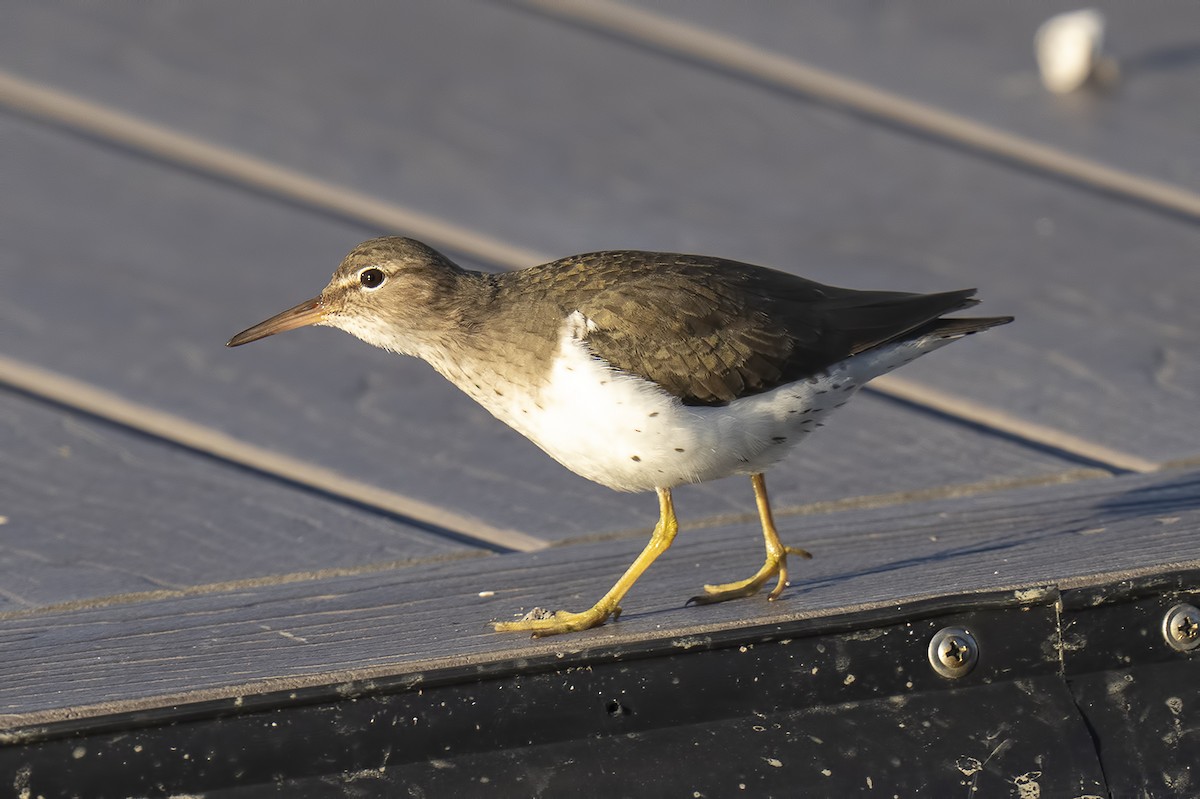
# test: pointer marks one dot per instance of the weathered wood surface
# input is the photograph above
(512, 151)
(145, 314)
(138, 572)
(1147, 124)
(210, 645)
(91, 511)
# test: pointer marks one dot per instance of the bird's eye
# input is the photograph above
(371, 278)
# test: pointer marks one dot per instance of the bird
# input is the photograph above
(641, 371)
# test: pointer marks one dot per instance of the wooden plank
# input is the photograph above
(91, 510)
(181, 263)
(730, 54)
(76, 394)
(1146, 125)
(418, 620)
(851, 202)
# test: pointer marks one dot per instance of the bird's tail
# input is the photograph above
(957, 328)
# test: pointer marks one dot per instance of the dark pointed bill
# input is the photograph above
(310, 312)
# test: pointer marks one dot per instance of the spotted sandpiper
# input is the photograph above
(638, 370)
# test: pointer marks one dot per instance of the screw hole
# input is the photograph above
(616, 709)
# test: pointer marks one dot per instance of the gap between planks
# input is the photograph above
(49, 104)
(698, 44)
(1001, 421)
(85, 397)
(45, 103)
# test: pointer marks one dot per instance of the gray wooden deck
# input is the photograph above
(181, 524)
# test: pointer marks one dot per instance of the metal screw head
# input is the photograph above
(1181, 627)
(953, 652)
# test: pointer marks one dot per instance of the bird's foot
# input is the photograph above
(775, 566)
(541, 622)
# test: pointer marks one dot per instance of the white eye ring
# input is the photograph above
(372, 278)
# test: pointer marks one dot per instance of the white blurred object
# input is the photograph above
(1069, 51)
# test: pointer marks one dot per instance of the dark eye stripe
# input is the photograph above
(371, 278)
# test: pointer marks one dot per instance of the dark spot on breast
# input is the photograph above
(538, 405)
(636, 430)
(654, 414)
(679, 449)
(604, 382)
(779, 439)
(743, 460)
(499, 393)
(793, 410)
(637, 458)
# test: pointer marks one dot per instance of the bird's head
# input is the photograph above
(392, 292)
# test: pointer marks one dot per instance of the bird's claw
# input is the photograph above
(775, 566)
(541, 623)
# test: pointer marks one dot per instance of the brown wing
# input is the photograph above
(710, 331)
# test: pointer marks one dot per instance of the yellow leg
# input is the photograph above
(561, 621)
(775, 565)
